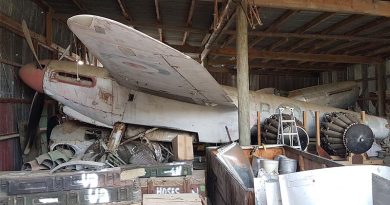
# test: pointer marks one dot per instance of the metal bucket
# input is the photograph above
(287, 165)
(269, 166)
(256, 164)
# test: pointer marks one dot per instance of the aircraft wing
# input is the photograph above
(140, 62)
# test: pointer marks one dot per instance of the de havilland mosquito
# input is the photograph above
(145, 82)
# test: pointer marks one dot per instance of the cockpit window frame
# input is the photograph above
(54, 77)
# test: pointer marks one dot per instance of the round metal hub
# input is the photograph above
(358, 138)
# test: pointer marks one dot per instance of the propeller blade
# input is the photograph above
(27, 35)
(64, 53)
(33, 119)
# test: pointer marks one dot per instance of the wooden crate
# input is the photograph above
(194, 183)
(224, 188)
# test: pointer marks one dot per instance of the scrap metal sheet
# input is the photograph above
(340, 185)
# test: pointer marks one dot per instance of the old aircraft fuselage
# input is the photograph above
(90, 95)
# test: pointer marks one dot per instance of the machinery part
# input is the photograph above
(116, 136)
(269, 131)
(342, 133)
(358, 138)
(137, 153)
(75, 136)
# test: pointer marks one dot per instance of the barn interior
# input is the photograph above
(277, 48)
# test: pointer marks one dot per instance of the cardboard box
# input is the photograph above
(183, 148)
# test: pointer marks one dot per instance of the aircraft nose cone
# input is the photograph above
(32, 76)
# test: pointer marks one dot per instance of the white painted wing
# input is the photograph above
(140, 62)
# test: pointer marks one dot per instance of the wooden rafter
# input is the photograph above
(328, 30)
(80, 5)
(158, 18)
(313, 36)
(368, 26)
(376, 7)
(304, 28)
(156, 25)
(288, 66)
(274, 26)
(362, 48)
(355, 31)
(224, 21)
(300, 56)
(189, 20)
(125, 10)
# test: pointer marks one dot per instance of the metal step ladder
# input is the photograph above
(291, 126)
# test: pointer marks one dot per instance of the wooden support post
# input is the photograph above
(363, 117)
(321, 152)
(381, 84)
(304, 120)
(258, 128)
(49, 28)
(243, 74)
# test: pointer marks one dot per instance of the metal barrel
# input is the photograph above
(287, 165)
(270, 166)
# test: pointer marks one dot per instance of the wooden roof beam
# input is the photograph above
(189, 20)
(125, 10)
(355, 31)
(80, 5)
(376, 7)
(306, 27)
(274, 26)
(300, 56)
(224, 20)
(368, 26)
(288, 66)
(312, 36)
(328, 30)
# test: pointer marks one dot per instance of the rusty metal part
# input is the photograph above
(140, 135)
(116, 136)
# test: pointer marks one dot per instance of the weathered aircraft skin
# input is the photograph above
(340, 95)
(98, 99)
(145, 82)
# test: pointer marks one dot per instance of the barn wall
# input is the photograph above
(15, 96)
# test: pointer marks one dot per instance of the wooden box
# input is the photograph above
(182, 148)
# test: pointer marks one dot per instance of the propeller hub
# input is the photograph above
(32, 76)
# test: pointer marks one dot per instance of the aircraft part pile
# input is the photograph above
(342, 133)
(77, 146)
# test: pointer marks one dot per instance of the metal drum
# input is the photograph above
(269, 166)
(287, 165)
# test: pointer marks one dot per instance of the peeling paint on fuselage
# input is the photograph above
(149, 110)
